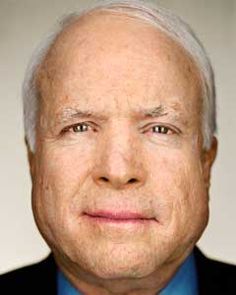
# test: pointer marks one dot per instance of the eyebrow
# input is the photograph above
(172, 112)
(155, 112)
(71, 113)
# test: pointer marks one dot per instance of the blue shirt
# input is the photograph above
(184, 281)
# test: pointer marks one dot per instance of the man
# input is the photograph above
(119, 109)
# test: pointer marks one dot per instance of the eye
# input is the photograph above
(161, 129)
(78, 128)
(81, 127)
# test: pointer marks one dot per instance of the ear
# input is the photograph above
(31, 159)
(208, 159)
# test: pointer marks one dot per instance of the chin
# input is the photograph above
(110, 260)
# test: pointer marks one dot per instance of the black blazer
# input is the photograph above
(215, 278)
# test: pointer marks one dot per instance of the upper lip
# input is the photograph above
(117, 214)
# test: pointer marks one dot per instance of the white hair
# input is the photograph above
(160, 18)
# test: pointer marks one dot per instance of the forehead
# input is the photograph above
(117, 61)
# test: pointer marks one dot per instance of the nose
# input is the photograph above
(119, 163)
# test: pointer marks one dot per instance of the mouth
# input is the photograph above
(118, 217)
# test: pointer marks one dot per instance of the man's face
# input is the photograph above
(119, 176)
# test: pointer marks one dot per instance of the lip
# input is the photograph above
(118, 216)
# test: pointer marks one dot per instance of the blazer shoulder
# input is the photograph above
(33, 279)
(215, 277)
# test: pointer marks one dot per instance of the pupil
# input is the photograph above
(79, 128)
(161, 129)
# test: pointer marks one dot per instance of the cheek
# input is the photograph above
(179, 186)
(64, 170)
(59, 175)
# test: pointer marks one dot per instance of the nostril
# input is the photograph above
(132, 180)
(104, 179)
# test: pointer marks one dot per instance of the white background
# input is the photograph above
(22, 24)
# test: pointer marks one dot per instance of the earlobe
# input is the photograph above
(208, 160)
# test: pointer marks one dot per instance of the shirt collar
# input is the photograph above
(184, 281)
(64, 287)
